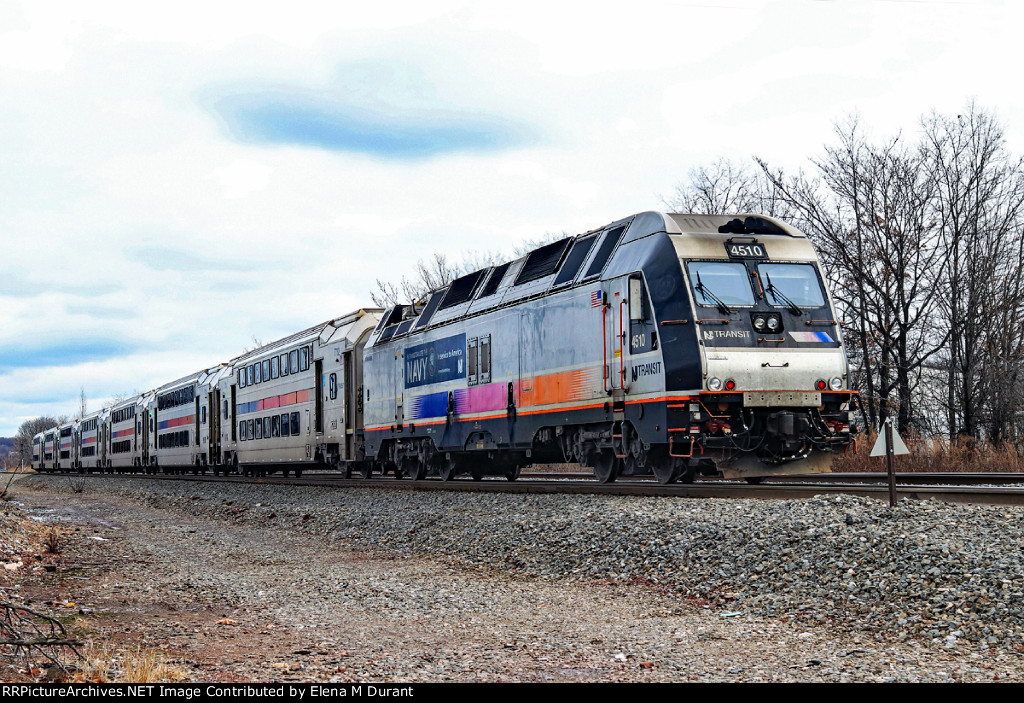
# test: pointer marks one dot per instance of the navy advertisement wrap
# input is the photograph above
(435, 362)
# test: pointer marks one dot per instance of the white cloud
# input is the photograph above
(110, 153)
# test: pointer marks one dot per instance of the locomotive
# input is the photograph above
(668, 344)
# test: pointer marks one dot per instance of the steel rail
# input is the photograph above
(1003, 495)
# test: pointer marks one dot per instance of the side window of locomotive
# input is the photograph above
(275, 426)
(258, 372)
(473, 365)
(304, 359)
(284, 425)
(295, 423)
(542, 262)
(478, 351)
(241, 430)
(266, 369)
(574, 262)
(495, 279)
(797, 282)
(430, 309)
(334, 386)
(293, 360)
(485, 359)
(248, 375)
(714, 281)
(275, 370)
(284, 364)
(604, 252)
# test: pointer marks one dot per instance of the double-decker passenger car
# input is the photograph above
(296, 400)
(124, 434)
(177, 422)
(37, 451)
(90, 442)
(67, 447)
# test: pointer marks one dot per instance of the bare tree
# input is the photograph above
(979, 207)
(431, 274)
(255, 343)
(27, 431)
(869, 213)
(83, 405)
(726, 188)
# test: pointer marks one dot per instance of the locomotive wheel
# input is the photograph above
(446, 470)
(366, 469)
(477, 474)
(606, 466)
(414, 469)
(754, 480)
(665, 471)
(513, 474)
(298, 473)
(686, 474)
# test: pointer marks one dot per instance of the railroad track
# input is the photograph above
(912, 486)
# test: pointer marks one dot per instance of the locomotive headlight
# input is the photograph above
(773, 323)
(714, 384)
(836, 384)
(759, 324)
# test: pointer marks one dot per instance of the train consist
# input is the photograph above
(665, 344)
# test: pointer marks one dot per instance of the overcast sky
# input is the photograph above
(176, 180)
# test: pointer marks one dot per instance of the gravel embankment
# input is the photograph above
(952, 575)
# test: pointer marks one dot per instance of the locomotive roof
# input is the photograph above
(740, 224)
(539, 270)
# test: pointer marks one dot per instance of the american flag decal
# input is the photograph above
(595, 298)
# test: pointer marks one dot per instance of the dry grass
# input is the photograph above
(934, 455)
(53, 540)
(102, 665)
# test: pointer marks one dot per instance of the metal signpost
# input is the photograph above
(890, 443)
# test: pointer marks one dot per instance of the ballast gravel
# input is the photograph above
(834, 588)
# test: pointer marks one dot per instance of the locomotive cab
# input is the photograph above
(773, 386)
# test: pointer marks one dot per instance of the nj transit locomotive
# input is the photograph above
(660, 344)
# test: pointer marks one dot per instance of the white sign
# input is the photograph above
(898, 447)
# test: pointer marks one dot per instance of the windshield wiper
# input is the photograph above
(703, 290)
(793, 307)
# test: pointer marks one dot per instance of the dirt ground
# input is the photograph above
(219, 602)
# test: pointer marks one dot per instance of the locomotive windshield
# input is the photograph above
(716, 283)
(791, 284)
